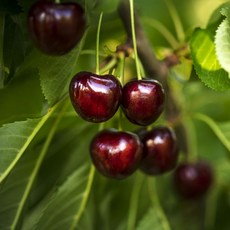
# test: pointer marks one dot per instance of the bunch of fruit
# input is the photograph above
(55, 30)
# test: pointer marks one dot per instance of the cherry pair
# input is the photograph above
(117, 154)
(96, 98)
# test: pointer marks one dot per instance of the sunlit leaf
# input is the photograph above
(222, 42)
(205, 61)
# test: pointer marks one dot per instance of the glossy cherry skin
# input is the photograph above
(95, 98)
(193, 180)
(56, 28)
(142, 101)
(116, 154)
(160, 152)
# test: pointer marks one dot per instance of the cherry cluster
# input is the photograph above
(55, 30)
(117, 154)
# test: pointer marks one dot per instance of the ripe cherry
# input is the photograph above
(116, 154)
(95, 98)
(160, 152)
(143, 101)
(56, 28)
(193, 180)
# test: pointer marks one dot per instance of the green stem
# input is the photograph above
(134, 199)
(2, 28)
(163, 30)
(85, 198)
(215, 128)
(37, 167)
(111, 64)
(211, 209)
(156, 202)
(98, 44)
(120, 73)
(91, 52)
(57, 1)
(86, 194)
(176, 20)
(191, 139)
(134, 39)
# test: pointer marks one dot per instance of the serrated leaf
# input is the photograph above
(151, 220)
(205, 61)
(55, 72)
(61, 211)
(222, 42)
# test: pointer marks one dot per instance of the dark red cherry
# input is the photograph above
(193, 180)
(143, 101)
(56, 28)
(95, 98)
(160, 152)
(116, 154)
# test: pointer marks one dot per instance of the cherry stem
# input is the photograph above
(57, 1)
(176, 20)
(152, 187)
(134, 39)
(110, 65)
(134, 201)
(98, 44)
(85, 198)
(120, 73)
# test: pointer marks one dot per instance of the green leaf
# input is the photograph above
(205, 61)
(55, 72)
(22, 98)
(222, 42)
(13, 190)
(221, 130)
(27, 170)
(9, 6)
(61, 211)
(15, 139)
(151, 220)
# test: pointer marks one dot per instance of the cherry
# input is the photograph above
(193, 180)
(95, 98)
(143, 101)
(160, 152)
(56, 28)
(116, 154)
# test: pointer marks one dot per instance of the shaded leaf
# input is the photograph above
(151, 220)
(220, 130)
(15, 139)
(12, 191)
(16, 105)
(61, 211)
(55, 72)
(205, 61)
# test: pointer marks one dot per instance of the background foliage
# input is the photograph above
(44, 158)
